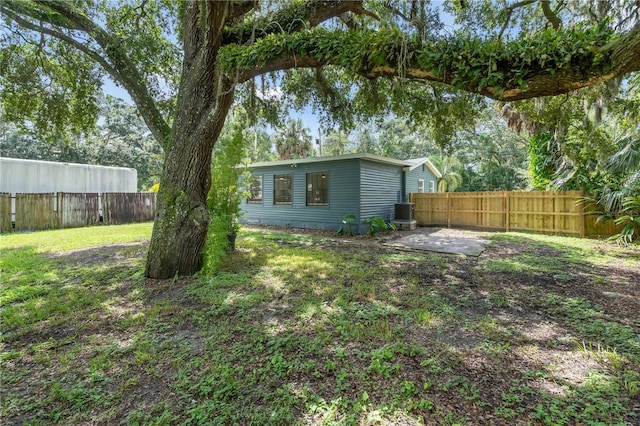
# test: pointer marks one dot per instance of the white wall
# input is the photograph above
(32, 176)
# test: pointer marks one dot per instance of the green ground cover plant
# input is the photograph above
(309, 328)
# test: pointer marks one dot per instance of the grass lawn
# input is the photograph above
(308, 329)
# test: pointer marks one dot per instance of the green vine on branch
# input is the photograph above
(463, 62)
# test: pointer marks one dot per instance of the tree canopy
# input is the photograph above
(185, 63)
(293, 141)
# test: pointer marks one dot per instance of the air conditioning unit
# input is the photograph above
(404, 211)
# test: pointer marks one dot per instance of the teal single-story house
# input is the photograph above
(316, 193)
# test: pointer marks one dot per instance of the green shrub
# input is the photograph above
(377, 224)
(630, 220)
(225, 194)
(348, 220)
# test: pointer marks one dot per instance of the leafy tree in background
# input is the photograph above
(17, 144)
(56, 54)
(293, 141)
(396, 139)
(259, 144)
(451, 169)
(619, 198)
(494, 157)
(393, 138)
(624, 165)
(568, 141)
(123, 140)
(573, 139)
(336, 143)
(543, 159)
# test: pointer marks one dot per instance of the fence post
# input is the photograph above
(581, 215)
(448, 210)
(507, 214)
(58, 200)
(5, 212)
(554, 204)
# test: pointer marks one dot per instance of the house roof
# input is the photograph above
(407, 164)
(417, 162)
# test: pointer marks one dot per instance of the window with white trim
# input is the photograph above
(318, 189)
(432, 186)
(421, 185)
(282, 189)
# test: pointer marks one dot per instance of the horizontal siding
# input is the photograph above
(344, 181)
(418, 173)
(380, 188)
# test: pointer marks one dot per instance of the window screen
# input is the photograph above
(318, 189)
(282, 189)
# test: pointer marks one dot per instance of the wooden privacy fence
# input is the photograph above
(78, 209)
(128, 207)
(5, 212)
(537, 211)
(33, 212)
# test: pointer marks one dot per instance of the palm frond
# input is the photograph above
(627, 158)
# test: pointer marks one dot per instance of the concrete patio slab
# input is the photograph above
(441, 244)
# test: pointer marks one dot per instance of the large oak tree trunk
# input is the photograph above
(182, 218)
(204, 99)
